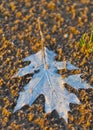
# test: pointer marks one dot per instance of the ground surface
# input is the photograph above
(63, 23)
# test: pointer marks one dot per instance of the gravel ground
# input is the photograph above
(63, 22)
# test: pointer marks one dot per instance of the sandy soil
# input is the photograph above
(63, 22)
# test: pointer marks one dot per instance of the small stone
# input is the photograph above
(65, 35)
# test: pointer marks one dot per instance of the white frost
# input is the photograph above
(50, 83)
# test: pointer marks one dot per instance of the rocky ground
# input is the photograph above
(63, 22)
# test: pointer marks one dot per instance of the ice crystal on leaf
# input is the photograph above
(49, 83)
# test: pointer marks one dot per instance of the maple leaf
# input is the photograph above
(49, 83)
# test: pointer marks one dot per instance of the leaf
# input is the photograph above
(82, 40)
(49, 83)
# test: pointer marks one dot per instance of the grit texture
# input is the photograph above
(62, 22)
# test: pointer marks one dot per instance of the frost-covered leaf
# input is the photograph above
(76, 82)
(49, 83)
(61, 65)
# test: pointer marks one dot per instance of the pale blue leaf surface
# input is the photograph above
(76, 82)
(61, 65)
(49, 83)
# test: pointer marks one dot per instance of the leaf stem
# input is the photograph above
(42, 43)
